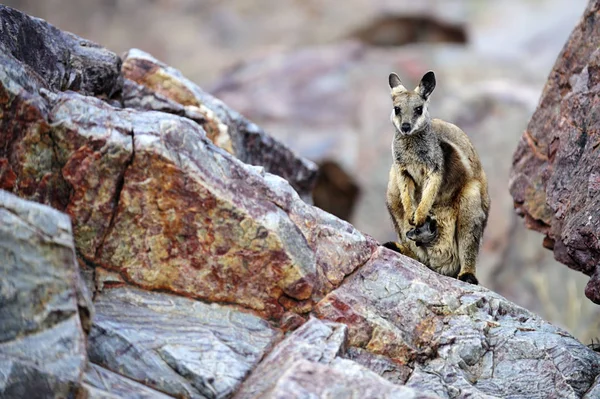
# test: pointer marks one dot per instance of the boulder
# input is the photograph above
(61, 60)
(99, 382)
(458, 339)
(554, 182)
(307, 364)
(152, 198)
(152, 85)
(176, 345)
(44, 306)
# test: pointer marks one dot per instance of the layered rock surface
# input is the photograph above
(44, 306)
(200, 265)
(555, 182)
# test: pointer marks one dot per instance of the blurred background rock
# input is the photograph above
(314, 74)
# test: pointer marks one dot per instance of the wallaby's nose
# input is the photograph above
(405, 127)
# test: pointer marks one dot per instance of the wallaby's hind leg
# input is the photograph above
(470, 224)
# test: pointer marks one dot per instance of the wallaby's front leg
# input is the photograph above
(407, 193)
(430, 191)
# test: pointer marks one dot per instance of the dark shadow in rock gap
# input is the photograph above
(336, 191)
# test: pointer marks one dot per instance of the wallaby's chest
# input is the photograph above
(418, 159)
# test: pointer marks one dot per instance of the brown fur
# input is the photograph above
(437, 193)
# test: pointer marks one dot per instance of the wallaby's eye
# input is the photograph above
(418, 111)
(397, 110)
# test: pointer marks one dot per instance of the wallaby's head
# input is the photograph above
(410, 114)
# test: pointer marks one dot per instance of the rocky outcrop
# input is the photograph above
(152, 85)
(212, 278)
(555, 183)
(456, 338)
(308, 364)
(57, 59)
(176, 345)
(196, 217)
(44, 306)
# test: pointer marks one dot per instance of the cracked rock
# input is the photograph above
(200, 222)
(42, 340)
(472, 341)
(176, 345)
(306, 364)
(152, 85)
(555, 182)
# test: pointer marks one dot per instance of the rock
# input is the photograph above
(200, 222)
(60, 59)
(594, 391)
(468, 339)
(42, 340)
(177, 345)
(306, 364)
(382, 365)
(341, 379)
(554, 181)
(152, 85)
(315, 341)
(102, 383)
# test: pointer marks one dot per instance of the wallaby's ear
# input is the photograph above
(425, 88)
(395, 82)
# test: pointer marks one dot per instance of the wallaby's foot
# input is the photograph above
(424, 234)
(393, 246)
(468, 278)
(401, 249)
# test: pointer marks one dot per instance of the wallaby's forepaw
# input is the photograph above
(393, 246)
(424, 234)
(468, 278)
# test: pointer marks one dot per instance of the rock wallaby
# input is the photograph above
(437, 193)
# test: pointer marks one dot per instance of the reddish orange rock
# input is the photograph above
(555, 177)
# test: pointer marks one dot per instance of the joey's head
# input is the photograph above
(410, 114)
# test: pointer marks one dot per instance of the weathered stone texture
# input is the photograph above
(102, 383)
(473, 340)
(42, 340)
(177, 345)
(555, 183)
(152, 85)
(62, 60)
(306, 364)
(200, 222)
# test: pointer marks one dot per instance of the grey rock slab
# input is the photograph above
(315, 341)
(177, 345)
(341, 379)
(100, 383)
(62, 60)
(474, 340)
(307, 365)
(382, 365)
(42, 342)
